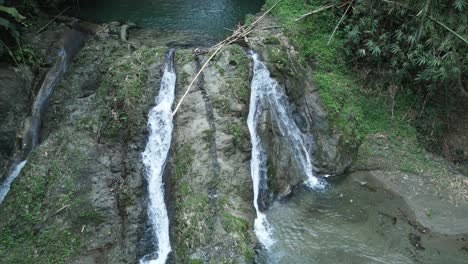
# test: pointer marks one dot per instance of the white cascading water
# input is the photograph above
(265, 89)
(154, 158)
(258, 163)
(10, 178)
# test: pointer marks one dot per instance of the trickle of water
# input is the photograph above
(10, 178)
(30, 141)
(154, 158)
(264, 90)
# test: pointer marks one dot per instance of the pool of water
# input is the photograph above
(347, 223)
(212, 18)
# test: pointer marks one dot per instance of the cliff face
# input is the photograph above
(82, 196)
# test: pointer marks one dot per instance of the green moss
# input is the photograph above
(238, 228)
(183, 56)
(121, 95)
(183, 161)
(278, 56)
(239, 89)
(239, 134)
(272, 179)
(193, 214)
(222, 105)
(249, 19)
(32, 229)
(239, 60)
(220, 69)
(272, 40)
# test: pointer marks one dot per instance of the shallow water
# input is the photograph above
(346, 223)
(213, 18)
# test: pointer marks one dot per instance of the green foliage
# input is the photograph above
(403, 60)
(355, 108)
(410, 43)
(28, 55)
(9, 18)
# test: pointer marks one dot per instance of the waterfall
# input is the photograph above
(70, 45)
(154, 158)
(265, 90)
(31, 137)
(258, 167)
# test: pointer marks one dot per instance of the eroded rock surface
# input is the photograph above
(210, 182)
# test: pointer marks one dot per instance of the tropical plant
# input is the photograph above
(9, 20)
(418, 44)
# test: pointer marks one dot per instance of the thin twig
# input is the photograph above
(61, 209)
(53, 19)
(195, 78)
(314, 12)
(337, 25)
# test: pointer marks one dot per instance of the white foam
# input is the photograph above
(10, 178)
(154, 158)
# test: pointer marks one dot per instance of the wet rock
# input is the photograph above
(210, 187)
(330, 152)
(96, 175)
(415, 240)
(15, 101)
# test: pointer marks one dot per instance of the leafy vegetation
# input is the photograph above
(413, 44)
(9, 20)
(368, 98)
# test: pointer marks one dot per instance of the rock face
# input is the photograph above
(81, 197)
(209, 179)
(15, 101)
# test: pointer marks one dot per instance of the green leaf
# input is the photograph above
(12, 12)
(459, 4)
(11, 27)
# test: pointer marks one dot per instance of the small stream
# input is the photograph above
(70, 45)
(154, 158)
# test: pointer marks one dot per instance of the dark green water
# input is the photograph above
(212, 18)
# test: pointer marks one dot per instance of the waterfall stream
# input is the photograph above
(265, 90)
(30, 139)
(154, 158)
(258, 168)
